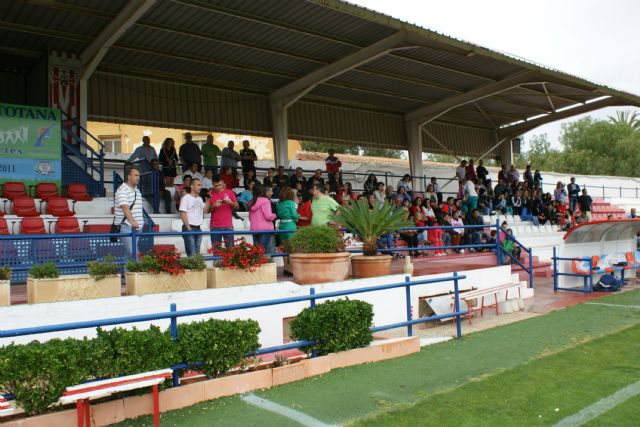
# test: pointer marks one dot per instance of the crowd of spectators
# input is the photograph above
(310, 199)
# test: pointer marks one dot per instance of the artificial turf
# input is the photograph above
(349, 394)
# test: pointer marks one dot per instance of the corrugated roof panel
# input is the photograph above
(399, 105)
(459, 139)
(321, 122)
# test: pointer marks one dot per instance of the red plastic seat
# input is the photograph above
(67, 225)
(4, 227)
(11, 190)
(32, 225)
(25, 206)
(78, 192)
(46, 190)
(59, 206)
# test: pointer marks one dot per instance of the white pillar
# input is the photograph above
(414, 144)
(506, 152)
(279, 125)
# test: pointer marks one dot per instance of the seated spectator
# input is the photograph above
(282, 179)
(422, 234)
(509, 246)
(345, 192)
(447, 232)
(270, 179)
(402, 194)
(449, 207)
(491, 240)
(318, 176)
(416, 206)
(207, 180)
(513, 177)
(371, 184)
(434, 237)
(371, 199)
(428, 211)
(410, 236)
(407, 183)
(484, 203)
(474, 235)
(298, 178)
(457, 233)
(515, 203)
(502, 174)
(582, 217)
(249, 176)
(229, 178)
(246, 197)
(180, 190)
(194, 172)
(500, 188)
(390, 196)
(380, 194)
(431, 194)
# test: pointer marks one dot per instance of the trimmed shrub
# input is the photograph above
(44, 271)
(104, 268)
(338, 325)
(219, 344)
(317, 239)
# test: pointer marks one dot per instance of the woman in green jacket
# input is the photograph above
(288, 216)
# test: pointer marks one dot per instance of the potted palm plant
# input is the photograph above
(369, 225)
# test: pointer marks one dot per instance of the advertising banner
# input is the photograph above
(30, 144)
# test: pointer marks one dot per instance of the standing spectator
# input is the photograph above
(528, 177)
(221, 205)
(470, 171)
(322, 207)
(537, 179)
(574, 191)
(402, 195)
(345, 193)
(230, 158)
(169, 161)
(470, 195)
(585, 202)
(560, 194)
(282, 178)
(434, 235)
(502, 175)
(513, 177)
(248, 158)
(190, 153)
(632, 214)
(436, 188)
(145, 151)
(483, 174)
(288, 216)
(229, 178)
(298, 178)
(461, 172)
(128, 209)
(304, 208)
(192, 215)
(333, 166)
(370, 184)
(210, 153)
(162, 189)
(261, 218)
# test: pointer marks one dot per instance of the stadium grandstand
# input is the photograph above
(211, 74)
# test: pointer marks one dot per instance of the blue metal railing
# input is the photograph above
(173, 314)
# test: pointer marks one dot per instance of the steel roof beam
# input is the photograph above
(295, 90)
(521, 128)
(93, 54)
(431, 112)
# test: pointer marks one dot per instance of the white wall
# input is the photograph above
(389, 305)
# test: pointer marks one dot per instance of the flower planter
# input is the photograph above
(371, 266)
(319, 268)
(227, 277)
(5, 293)
(151, 283)
(71, 288)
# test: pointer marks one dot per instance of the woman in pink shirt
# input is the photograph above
(261, 218)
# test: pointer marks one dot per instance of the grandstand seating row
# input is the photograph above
(45, 190)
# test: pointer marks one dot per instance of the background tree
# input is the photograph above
(323, 147)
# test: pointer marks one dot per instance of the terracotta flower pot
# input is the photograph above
(371, 266)
(319, 268)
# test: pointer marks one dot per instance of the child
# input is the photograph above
(435, 237)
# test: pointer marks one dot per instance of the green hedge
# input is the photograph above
(37, 373)
(338, 325)
(219, 344)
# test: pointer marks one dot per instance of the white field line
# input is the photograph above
(612, 305)
(601, 406)
(292, 414)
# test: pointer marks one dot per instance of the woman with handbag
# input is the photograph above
(169, 161)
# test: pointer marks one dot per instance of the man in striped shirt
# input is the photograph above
(128, 208)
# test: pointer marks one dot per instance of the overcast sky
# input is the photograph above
(593, 39)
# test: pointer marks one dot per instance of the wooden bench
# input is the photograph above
(476, 294)
(7, 406)
(81, 394)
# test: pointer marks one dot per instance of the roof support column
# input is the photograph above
(506, 152)
(414, 144)
(280, 125)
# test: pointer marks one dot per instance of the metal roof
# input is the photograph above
(208, 56)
